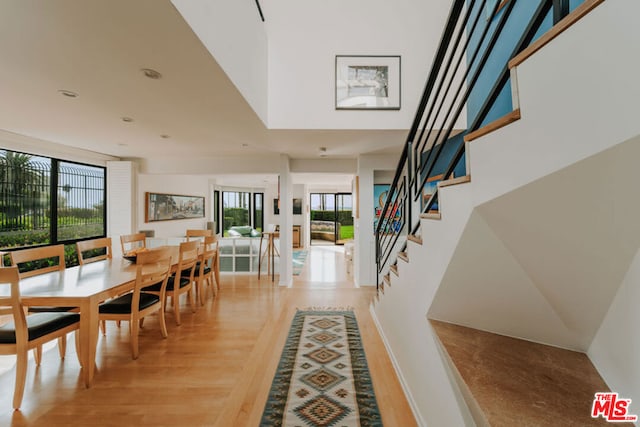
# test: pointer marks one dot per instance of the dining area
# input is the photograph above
(43, 301)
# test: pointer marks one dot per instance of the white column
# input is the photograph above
(364, 256)
(121, 201)
(286, 223)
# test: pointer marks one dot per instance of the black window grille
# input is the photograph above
(30, 216)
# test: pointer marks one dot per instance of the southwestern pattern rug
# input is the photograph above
(323, 379)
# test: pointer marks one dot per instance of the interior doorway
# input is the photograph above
(331, 218)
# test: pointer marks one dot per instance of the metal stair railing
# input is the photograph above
(472, 31)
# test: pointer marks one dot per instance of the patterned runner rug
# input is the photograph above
(322, 378)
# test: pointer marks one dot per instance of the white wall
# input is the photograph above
(324, 165)
(592, 119)
(615, 351)
(402, 316)
(121, 201)
(305, 37)
(190, 185)
(249, 164)
(234, 34)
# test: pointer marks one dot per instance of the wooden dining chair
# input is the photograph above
(129, 242)
(205, 269)
(198, 234)
(181, 281)
(89, 250)
(152, 267)
(35, 261)
(27, 332)
(38, 260)
(214, 243)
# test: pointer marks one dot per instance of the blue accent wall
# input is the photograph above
(520, 16)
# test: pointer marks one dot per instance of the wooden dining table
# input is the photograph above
(85, 287)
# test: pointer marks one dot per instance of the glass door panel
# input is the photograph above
(344, 217)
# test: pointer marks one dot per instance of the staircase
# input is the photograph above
(533, 254)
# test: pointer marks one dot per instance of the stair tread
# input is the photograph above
(455, 181)
(394, 268)
(503, 121)
(512, 379)
(403, 256)
(415, 239)
(431, 215)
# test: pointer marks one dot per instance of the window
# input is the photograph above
(258, 211)
(30, 216)
(235, 209)
(81, 192)
(216, 210)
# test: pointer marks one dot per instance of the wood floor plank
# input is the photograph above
(213, 370)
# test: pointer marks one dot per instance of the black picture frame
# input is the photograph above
(167, 207)
(368, 82)
(297, 206)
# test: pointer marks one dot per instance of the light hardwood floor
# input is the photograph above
(213, 370)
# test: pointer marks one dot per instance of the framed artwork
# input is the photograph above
(276, 206)
(367, 82)
(380, 193)
(297, 206)
(165, 207)
(429, 189)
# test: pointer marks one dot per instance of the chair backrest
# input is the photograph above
(134, 241)
(187, 261)
(211, 242)
(39, 254)
(10, 304)
(92, 245)
(210, 253)
(152, 266)
(198, 233)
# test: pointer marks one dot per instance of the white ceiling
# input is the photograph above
(97, 48)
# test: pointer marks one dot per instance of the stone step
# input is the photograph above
(512, 382)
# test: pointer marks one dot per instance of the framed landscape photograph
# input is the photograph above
(367, 82)
(164, 207)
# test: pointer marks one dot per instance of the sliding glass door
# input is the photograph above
(344, 218)
(331, 221)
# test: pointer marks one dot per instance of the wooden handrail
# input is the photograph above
(554, 32)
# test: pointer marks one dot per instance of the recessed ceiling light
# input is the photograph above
(127, 119)
(245, 145)
(68, 93)
(165, 136)
(151, 73)
(123, 144)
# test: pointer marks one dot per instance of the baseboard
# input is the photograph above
(396, 367)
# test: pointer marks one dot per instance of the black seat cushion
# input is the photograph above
(184, 281)
(187, 272)
(122, 304)
(50, 309)
(207, 270)
(39, 324)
